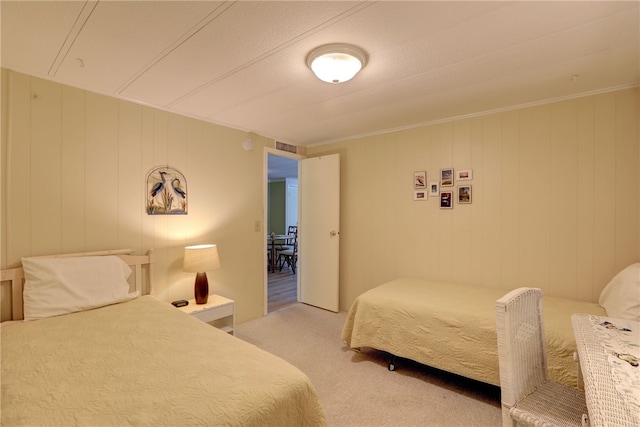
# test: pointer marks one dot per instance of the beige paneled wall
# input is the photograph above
(3, 182)
(73, 179)
(556, 194)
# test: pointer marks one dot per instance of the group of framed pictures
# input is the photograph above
(425, 189)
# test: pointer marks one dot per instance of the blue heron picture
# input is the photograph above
(166, 192)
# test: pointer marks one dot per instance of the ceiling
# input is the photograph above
(242, 64)
(281, 167)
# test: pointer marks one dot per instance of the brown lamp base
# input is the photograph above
(201, 288)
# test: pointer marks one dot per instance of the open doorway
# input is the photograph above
(282, 215)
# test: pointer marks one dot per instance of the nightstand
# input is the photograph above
(218, 311)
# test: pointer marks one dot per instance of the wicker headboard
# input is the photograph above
(140, 264)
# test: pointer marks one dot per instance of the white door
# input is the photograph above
(319, 231)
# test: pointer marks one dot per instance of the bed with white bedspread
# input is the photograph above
(143, 362)
(452, 327)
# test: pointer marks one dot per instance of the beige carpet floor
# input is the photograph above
(357, 389)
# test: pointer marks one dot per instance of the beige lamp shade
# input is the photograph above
(201, 258)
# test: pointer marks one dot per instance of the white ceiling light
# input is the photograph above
(337, 62)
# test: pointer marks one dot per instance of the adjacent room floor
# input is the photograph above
(283, 289)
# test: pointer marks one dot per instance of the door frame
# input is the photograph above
(265, 195)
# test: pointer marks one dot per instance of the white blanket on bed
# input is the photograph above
(144, 362)
(453, 327)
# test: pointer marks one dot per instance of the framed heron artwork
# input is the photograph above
(166, 192)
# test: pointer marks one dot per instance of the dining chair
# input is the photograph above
(287, 244)
(529, 397)
(289, 256)
(292, 232)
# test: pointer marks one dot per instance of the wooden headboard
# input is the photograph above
(139, 265)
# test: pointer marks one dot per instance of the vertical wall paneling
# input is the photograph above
(432, 243)
(353, 276)
(18, 209)
(202, 188)
(605, 191)
(461, 232)
(410, 211)
(556, 193)
(368, 239)
(586, 200)
(555, 204)
(379, 174)
(4, 103)
(5, 292)
(389, 218)
(177, 140)
(535, 185)
(426, 213)
(563, 197)
(75, 172)
(355, 240)
(627, 181)
(161, 230)
(130, 186)
(489, 199)
(102, 172)
(475, 162)
(45, 167)
(445, 255)
(73, 190)
(147, 163)
(512, 197)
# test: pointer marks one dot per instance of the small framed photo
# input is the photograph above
(420, 179)
(446, 200)
(464, 175)
(420, 195)
(446, 177)
(464, 194)
(434, 188)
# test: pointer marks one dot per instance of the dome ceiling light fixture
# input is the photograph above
(336, 62)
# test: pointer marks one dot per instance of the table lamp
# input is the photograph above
(200, 259)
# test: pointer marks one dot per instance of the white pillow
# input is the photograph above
(621, 297)
(55, 286)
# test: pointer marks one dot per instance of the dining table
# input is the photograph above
(272, 239)
(609, 355)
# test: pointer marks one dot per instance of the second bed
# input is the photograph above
(452, 327)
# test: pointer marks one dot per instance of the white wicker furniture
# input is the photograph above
(528, 396)
(607, 406)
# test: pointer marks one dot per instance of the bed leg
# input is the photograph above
(392, 363)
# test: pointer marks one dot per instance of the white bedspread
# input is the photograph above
(144, 362)
(452, 327)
